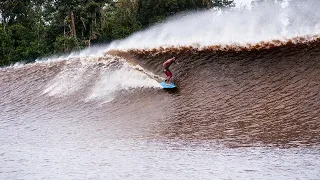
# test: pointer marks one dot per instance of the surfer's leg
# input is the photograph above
(169, 75)
(165, 72)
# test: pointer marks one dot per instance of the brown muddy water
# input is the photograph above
(236, 114)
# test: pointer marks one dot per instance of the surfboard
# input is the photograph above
(168, 86)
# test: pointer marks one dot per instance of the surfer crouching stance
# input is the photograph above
(166, 70)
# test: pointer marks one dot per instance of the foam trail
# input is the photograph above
(102, 77)
(68, 81)
(125, 78)
(264, 23)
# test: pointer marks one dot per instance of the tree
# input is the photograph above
(6, 47)
(20, 31)
(223, 3)
(121, 20)
(13, 11)
(152, 11)
(33, 28)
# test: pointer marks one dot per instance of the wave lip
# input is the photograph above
(207, 28)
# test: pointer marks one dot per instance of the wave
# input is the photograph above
(239, 82)
(266, 93)
(263, 23)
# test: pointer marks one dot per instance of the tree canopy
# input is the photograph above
(30, 29)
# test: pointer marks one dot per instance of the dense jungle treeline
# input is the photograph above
(35, 28)
(30, 29)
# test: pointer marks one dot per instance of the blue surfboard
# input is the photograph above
(168, 86)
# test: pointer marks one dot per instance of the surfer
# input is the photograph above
(166, 70)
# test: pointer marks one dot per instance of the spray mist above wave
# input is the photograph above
(265, 22)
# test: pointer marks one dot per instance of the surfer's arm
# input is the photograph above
(172, 60)
(175, 60)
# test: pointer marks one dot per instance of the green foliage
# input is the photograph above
(151, 11)
(33, 28)
(65, 44)
(6, 47)
(121, 20)
(223, 3)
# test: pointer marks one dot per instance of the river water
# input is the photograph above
(235, 115)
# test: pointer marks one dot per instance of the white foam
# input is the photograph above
(68, 81)
(125, 78)
(265, 23)
(115, 74)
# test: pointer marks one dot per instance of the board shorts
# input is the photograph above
(167, 72)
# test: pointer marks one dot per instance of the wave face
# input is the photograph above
(268, 96)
